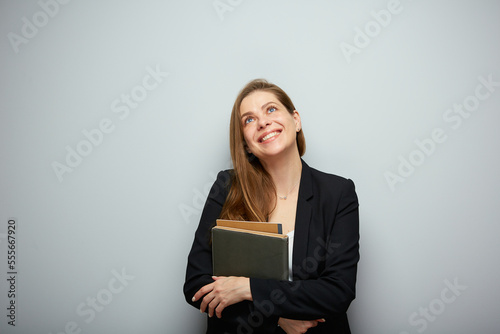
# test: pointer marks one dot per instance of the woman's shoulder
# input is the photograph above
(224, 177)
(222, 184)
(321, 177)
(328, 186)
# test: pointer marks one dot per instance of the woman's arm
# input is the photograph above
(199, 273)
(199, 266)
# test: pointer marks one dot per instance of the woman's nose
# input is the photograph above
(264, 122)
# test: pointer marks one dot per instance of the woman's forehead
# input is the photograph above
(257, 99)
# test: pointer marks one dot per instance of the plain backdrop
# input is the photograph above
(114, 120)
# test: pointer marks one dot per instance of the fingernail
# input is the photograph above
(193, 299)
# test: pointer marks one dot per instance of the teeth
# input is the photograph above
(272, 134)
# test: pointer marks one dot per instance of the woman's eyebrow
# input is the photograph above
(246, 114)
(266, 104)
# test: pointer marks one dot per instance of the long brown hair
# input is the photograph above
(253, 194)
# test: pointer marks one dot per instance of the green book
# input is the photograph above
(249, 253)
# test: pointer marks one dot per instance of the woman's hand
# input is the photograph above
(224, 291)
(291, 326)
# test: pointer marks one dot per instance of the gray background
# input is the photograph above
(133, 203)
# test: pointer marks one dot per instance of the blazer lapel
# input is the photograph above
(302, 217)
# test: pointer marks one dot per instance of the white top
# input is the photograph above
(290, 253)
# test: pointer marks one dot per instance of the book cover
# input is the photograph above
(248, 253)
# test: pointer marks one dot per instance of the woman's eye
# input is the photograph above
(271, 109)
(248, 120)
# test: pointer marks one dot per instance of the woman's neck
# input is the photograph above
(285, 172)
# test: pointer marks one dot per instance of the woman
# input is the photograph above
(319, 211)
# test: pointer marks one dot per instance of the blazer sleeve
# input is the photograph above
(327, 285)
(199, 266)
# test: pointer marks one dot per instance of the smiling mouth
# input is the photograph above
(269, 136)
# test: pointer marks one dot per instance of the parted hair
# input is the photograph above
(252, 195)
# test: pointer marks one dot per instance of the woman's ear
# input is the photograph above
(298, 123)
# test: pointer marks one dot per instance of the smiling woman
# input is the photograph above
(318, 211)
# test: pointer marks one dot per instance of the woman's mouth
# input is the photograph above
(269, 136)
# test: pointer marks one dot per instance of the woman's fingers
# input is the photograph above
(203, 291)
(292, 326)
(224, 291)
(205, 302)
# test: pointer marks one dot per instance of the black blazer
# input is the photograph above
(324, 264)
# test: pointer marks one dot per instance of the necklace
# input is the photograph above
(285, 197)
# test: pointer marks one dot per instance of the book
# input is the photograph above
(254, 226)
(249, 252)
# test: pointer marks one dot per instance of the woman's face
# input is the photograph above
(268, 128)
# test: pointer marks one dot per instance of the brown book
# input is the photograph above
(249, 253)
(254, 226)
